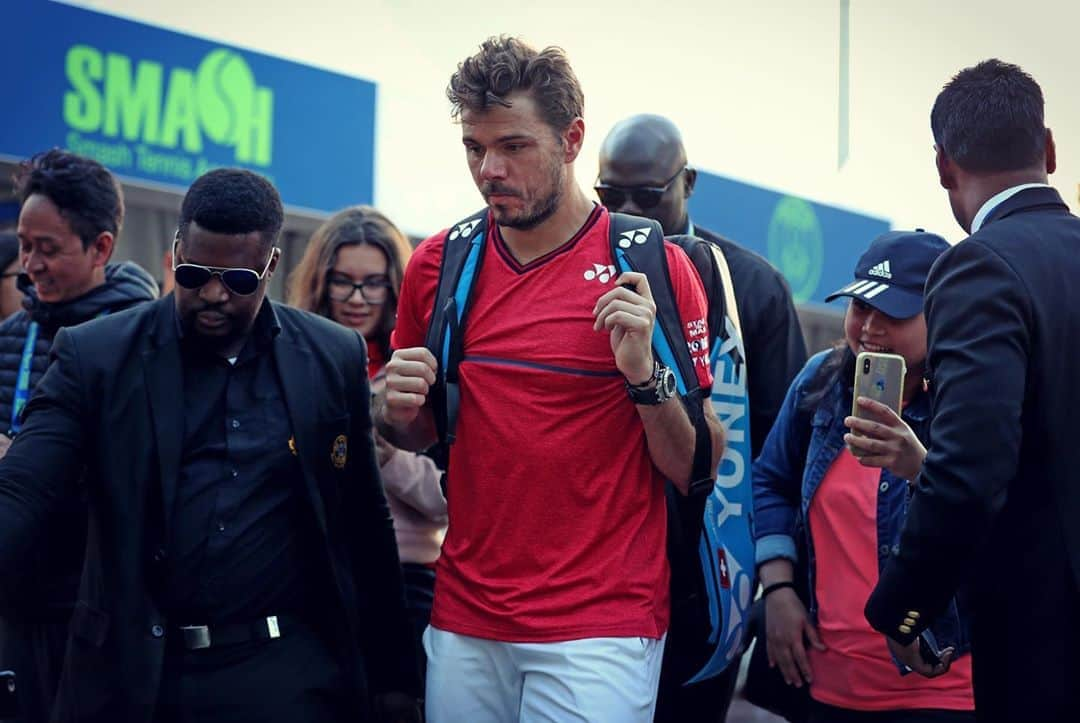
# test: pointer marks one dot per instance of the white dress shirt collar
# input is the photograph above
(997, 199)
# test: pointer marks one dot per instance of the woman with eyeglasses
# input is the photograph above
(351, 272)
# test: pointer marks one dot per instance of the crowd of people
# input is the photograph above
(440, 483)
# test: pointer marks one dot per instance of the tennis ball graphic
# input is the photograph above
(796, 245)
(225, 90)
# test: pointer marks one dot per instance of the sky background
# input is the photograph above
(753, 86)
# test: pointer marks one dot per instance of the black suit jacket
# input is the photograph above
(998, 499)
(111, 402)
(772, 336)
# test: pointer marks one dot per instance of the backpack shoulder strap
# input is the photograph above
(729, 289)
(463, 252)
(637, 244)
(716, 283)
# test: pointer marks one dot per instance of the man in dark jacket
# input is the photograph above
(72, 211)
(241, 562)
(644, 172)
(997, 502)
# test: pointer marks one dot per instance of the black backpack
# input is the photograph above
(637, 244)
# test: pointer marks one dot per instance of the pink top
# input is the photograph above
(413, 486)
(856, 671)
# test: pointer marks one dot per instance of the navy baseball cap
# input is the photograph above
(891, 274)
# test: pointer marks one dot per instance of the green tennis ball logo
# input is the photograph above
(796, 245)
(225, 90)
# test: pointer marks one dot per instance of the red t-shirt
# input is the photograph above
(557, 515)
(856, 671)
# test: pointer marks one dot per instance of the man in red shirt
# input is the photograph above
(551, 598)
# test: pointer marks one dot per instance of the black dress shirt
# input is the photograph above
(243, 539)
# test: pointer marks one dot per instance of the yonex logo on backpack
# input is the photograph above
(881, 270)
(637, 236)
(463, 230)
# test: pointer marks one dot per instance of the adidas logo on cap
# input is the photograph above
(881, 270)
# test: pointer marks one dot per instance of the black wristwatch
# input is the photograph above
(657, 389)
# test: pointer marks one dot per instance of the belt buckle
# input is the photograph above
(196, 637)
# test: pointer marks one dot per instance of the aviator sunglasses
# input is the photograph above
(242, 282)
(644, 196)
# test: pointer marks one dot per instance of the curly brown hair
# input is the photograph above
(506, 65)
(355, 225)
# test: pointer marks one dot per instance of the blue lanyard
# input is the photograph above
(22, 382)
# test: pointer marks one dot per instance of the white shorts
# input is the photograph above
(602, 680)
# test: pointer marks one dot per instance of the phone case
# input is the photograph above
(879, 377)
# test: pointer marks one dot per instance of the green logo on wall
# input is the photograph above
(796, 245)
(157, 120)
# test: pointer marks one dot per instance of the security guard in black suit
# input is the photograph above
(996, 504)
(241, 563)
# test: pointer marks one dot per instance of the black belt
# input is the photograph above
(199, 637)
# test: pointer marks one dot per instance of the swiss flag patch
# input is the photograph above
(721, 565)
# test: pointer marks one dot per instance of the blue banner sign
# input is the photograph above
(164, 107)
(815, 246)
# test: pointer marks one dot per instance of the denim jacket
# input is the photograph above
(799, 450)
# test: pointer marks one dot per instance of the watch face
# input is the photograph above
(666, 383)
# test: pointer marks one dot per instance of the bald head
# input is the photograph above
(646, 152)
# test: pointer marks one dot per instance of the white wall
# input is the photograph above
(753, 85)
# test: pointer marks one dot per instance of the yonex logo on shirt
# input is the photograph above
(463, 229)
(637, 236)
(881, 270)
(603, 273)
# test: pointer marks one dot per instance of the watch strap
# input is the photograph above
(651, 392)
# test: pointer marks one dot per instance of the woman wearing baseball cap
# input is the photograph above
(832, 504)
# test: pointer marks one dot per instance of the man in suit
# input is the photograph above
(996, 504)
(241, 562)
(644, 172)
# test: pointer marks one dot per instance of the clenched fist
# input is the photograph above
(409, 375)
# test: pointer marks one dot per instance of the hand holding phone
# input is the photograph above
(928, 649)
(879, 437)
(922, 655)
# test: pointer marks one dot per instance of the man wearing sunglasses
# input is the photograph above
(644, 172)
(240, 554)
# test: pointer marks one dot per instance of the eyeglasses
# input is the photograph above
(613, 197)
(242, 282)
(373, 289)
